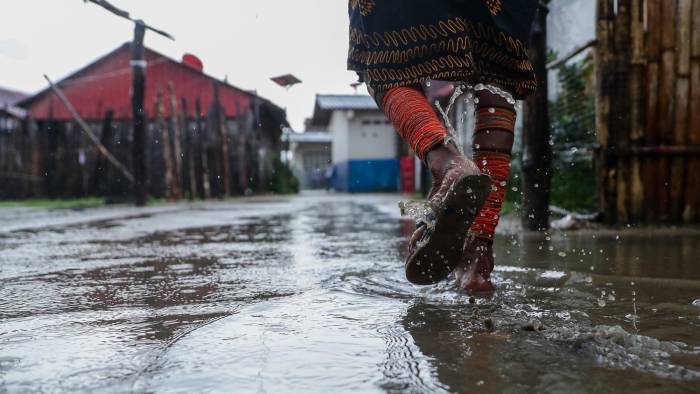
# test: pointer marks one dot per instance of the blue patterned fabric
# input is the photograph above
(400, 42)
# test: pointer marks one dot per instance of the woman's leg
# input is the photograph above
(414, 118)
(493, 144)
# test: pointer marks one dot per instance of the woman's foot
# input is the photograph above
(473, 274)
(446, 164)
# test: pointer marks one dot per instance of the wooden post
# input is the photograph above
(177, 147)
(636, 92)
(692, 185)
(222, 129)
(190, 151)
(537, 152)
(171, 189)
(241, 150)
(667, 95)
(138, 64)
(680, 131)
(101, 173)
(605, 161)
(203, 146)
(651, 176)
(620, 107)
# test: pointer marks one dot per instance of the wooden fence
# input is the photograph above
(648, 110)
(195, 153)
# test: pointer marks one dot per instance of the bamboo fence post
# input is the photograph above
(638, 64)
(184, 128)
(682, 101)
(620, 108)
(101, 172)
(692, 184)
(189, 152)
(241, 150)
(177, 146)
(219, 121)
(667, 95)
(651, 175)
(203, 145)
(171, 191)
(604, 160)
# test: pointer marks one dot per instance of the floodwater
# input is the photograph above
(306, 294)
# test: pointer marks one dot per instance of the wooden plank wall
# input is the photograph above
(186, 158)
(648, 110)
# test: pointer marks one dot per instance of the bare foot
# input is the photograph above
(446, 164)
(473, 274)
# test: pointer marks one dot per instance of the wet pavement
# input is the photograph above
(306, 294)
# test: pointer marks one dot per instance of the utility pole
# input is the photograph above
(537, 149)
(138, 64)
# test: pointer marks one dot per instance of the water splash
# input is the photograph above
(461, 89)
(454, 135)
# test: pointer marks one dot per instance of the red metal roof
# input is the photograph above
(106, 83)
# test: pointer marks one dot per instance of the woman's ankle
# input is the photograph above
(443, 157)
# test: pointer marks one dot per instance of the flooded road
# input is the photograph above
(307, 294)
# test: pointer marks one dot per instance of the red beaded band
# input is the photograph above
(490, 118)
(494, 164)
(413, 116)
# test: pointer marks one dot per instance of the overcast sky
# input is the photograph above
(250, 41)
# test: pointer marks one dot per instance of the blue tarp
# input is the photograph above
(367, 176)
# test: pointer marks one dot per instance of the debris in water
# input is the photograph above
(534, 325)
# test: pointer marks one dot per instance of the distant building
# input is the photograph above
(10, 114)
(12, 120)
(365, 147)
(232, 135)
(311, 158)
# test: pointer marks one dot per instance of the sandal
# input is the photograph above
(439, 250)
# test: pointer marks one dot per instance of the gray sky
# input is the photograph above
(249, 41)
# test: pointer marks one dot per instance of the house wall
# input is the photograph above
(371, 136)
(364, 152)
(338, 127)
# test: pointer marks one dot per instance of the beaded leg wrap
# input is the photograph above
(494, 161)
(413, 116)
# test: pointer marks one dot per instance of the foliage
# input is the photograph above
(73, 203)
(573, 111)
(573, 138)
(283, 180)
(572, 116)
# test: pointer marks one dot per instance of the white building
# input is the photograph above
(311, 158)
(366, 149)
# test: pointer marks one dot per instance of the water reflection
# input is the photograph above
(309, 295)
(639, 253)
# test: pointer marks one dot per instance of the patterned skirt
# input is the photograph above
(399, 42)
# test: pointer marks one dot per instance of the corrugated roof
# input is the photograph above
(345, 101)
(106, 83)
(309, 137)
(10, 97)
(327, 103)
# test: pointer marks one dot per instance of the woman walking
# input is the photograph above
(396, 47)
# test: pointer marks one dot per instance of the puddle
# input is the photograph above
(308, 294)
